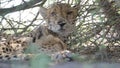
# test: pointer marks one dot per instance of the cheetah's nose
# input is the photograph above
(61, 23)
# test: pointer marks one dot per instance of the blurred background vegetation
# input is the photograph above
(97, 28)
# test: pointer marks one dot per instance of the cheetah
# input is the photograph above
(50, 38)
(60, 18)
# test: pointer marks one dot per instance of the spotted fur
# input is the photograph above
(50, 38)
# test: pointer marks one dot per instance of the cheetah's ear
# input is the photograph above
(77, 7)
(43, 12)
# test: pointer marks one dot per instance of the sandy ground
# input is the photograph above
(24, 64)
(86, 65)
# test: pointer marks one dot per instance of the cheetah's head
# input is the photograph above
(60, 17)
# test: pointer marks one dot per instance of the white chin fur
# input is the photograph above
(54, 28)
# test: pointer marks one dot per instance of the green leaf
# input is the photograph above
(32, 49)
(40, 61)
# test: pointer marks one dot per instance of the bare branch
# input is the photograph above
(25, 5)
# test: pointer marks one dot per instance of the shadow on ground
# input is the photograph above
(25, 64)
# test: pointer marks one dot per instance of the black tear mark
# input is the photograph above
(40, 33)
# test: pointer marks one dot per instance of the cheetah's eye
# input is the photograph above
(53, 13)
(70, 12)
